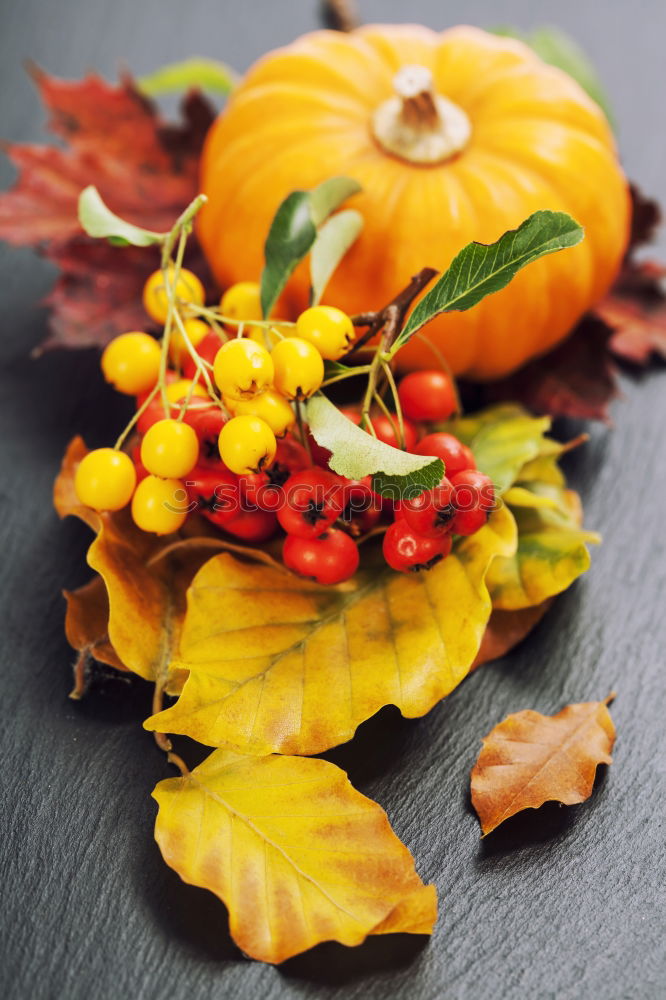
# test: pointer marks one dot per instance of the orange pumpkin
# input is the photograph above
(455, 137)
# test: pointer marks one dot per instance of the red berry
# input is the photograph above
(170, 376)
(207, 421)
(152, 413)
(214, 493)
(455, 455)
(206, 349)
(432, 512)
(252, 525)
(329, 559)
(384, 431)
(265, 490)
(141, 470)
(427, 396)
(407, 551)
(474, 498)
(312, 500)
(362, 507)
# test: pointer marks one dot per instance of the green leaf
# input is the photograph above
(355, 454)
(294, 231)
(291, 235)
(99, 221)
(504, 439)
(480, 269)
(207, 74)
(557, 48)
(329, 195)
(333, 241)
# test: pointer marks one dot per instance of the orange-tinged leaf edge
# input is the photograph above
(506, 742)
(283, 896)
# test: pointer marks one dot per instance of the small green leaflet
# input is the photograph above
(355, 454)
(99, 221)
(293, 233)
(481, 269)
(557, 48)
(206, 74)
(333, 241)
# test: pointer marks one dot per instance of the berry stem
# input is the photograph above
(361, 370)
(396, 400)
(182, 225)
(144, 406)
(305, 441)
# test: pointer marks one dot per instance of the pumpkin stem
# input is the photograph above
(418, 125)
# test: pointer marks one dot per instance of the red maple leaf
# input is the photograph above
(145, 170)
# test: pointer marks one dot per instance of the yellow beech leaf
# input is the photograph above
(529, 759)
(552, 547)
(145, 583)
(279, 663)
(297, 855)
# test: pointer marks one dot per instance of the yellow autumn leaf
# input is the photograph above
(145, 582)
(281, 664)
(294, 851)
(552, 547)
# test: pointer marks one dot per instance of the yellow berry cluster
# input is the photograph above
(260, 372)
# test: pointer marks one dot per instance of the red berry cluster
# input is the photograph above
(323, 514)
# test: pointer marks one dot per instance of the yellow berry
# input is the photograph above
(196, 330)
(328, 329)
(266, 336)
(242, 369)
(247, 444)
(270, 406)
(131, 362)
(242, 301)
(299, 368)
(170, 448)
(155, 301)
(160, 505)
(179, 389)
(105, 479)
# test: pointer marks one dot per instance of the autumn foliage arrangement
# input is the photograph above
(298, 503)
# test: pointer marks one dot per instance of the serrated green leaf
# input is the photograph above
(329, 195)
(99, 221)
(207, 74)
(557, 48)
(481, 269)
(356, 454)
(291, 235)
(333, 241)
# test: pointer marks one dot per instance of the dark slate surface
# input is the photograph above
(566, 903)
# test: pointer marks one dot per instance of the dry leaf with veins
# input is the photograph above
(297, 855)
(529, 759)
(281, 664)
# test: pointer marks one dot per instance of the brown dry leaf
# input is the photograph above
(146, 172)
(145, 580)
(505, 629)
(294, 851)
(278, 663)
(529, 759)
(87, 630)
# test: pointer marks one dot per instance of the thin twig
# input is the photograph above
(375, 321)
